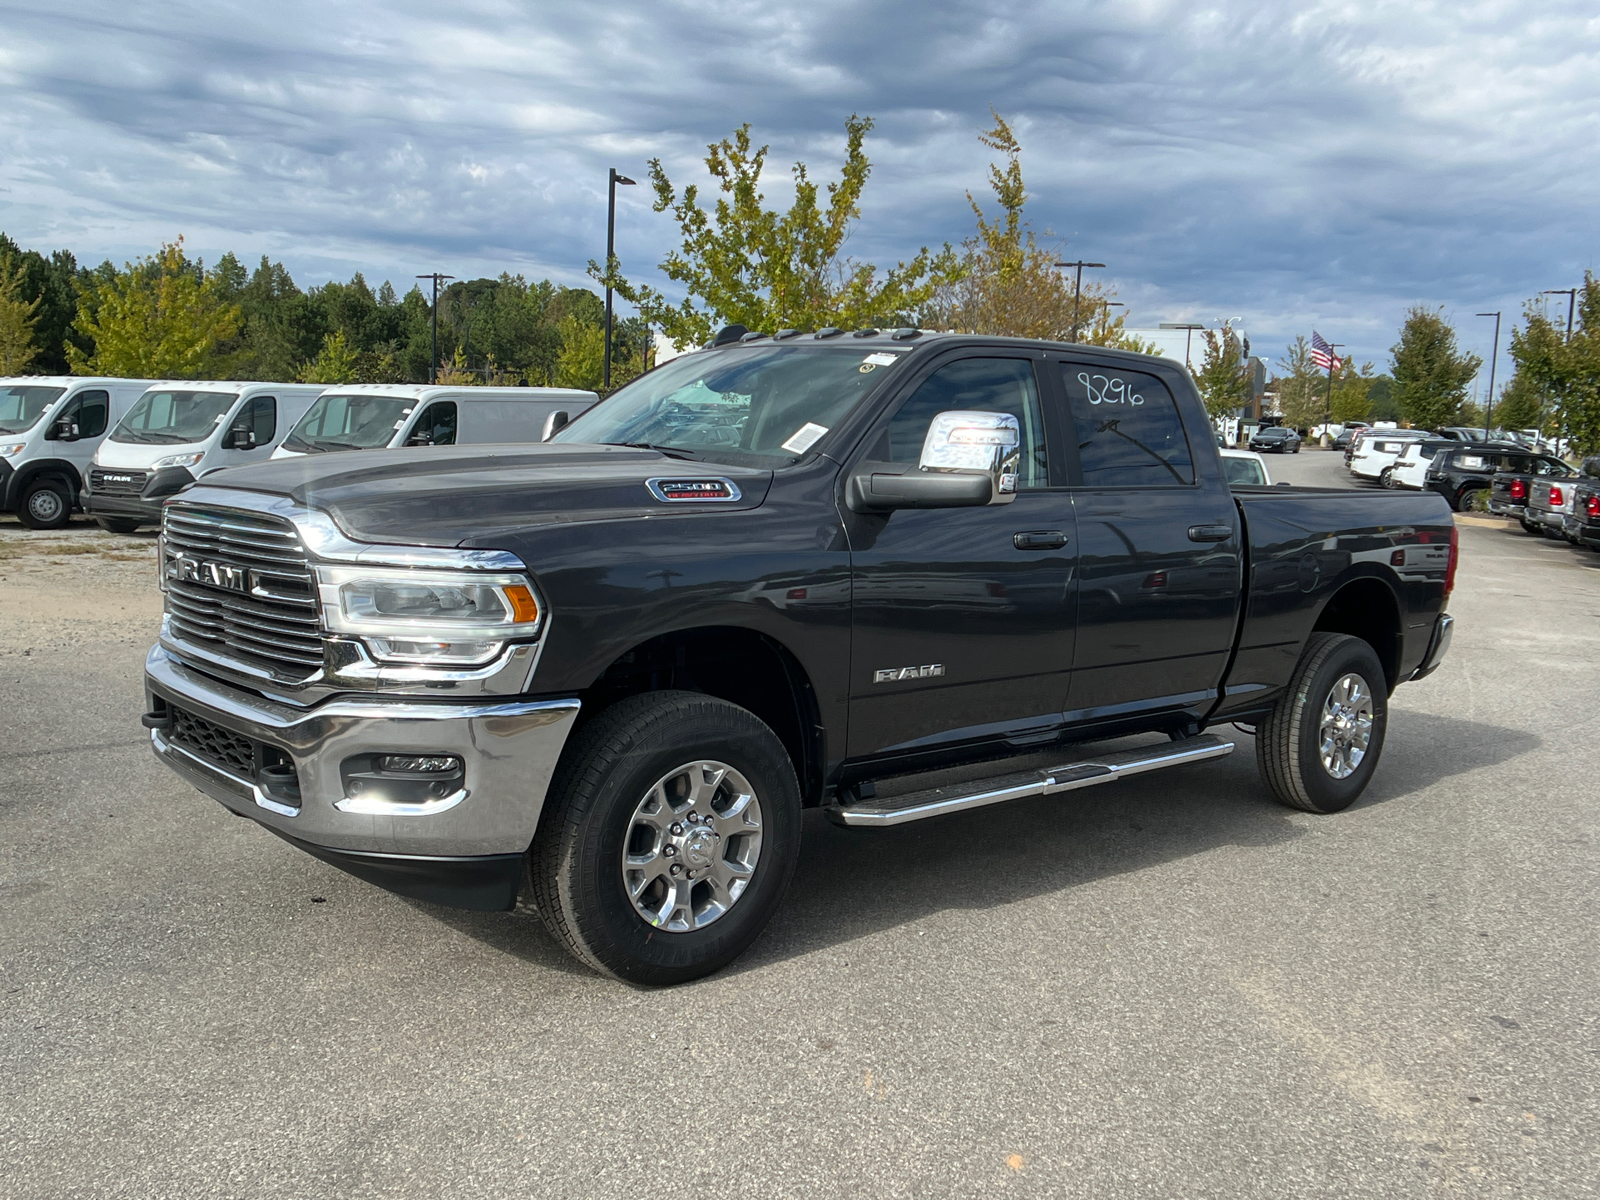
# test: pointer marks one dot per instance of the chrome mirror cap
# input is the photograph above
(975, 443)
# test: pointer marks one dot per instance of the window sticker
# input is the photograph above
(881, 359)
(804, 438)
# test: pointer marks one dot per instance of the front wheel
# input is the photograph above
(45, 505)
(670, 836)
(1318, 749)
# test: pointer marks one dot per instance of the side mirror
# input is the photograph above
(969, 459)
(420, 437)
(554, 423)
(64, 430)
(240, 437)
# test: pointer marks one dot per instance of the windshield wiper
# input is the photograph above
(669, 451)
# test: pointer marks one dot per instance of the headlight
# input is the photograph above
(178, 460)
(447, 618)
(12, 449)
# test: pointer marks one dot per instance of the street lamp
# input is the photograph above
(611, 255)
(1488, 403)
(433, 370)
(1077, 290)
(1187, 336)
(1572, 299)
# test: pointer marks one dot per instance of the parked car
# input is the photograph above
(176, 433)
(1245, 468)
(556, 669)
(1514, 482)
(1462, 433)
(1586, 510)
(374, 416)
(1275, 439)
(50, 428)
(1464, 475)
(1376, 452)
(1550, 508)
(1410, 467)
(1341, 440)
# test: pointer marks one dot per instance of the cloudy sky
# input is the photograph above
(1293, 165)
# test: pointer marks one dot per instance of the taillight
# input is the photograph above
(1455, 557)
(1519, 489)
(1593, 506)
(1556, 498)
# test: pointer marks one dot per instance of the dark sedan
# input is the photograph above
(1275, 439)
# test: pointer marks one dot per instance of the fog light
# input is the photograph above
(419, 764)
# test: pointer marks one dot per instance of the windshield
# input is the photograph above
(21, 407)
(166, 416)
(338, 422)
(1246, 472)
(759, 406)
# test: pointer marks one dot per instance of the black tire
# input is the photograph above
(1472, 499)
(575, 871)
(117, 524)
(1529, 527)
(1386, 479)
(1288, 750)
(45, 505)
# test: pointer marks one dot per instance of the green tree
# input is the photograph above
(1520, 405)
(17, 320)
(52, 280)
(1352, 392)
(1222, 379)
(1431, 374)
(1006, 283)
(744, 263)
(1302, 388)
(334, 363)
(161, 318)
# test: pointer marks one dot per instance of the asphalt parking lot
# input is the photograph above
(1166, 988)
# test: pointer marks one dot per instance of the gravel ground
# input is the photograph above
(1166, 988)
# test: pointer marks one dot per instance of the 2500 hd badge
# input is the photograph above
(605, 674)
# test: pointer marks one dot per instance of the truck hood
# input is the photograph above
(446, 495)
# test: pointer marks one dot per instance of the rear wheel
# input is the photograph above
(117, 524)
(1472, 499)
(670, 835)
(45, 505)
(1319, 748)
(1387, 478)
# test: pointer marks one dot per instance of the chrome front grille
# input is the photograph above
(239, 586)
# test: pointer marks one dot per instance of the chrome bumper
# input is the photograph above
(509, 750)
(1438, 646)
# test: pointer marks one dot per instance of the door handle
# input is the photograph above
(1039, 539)
(1210, 533)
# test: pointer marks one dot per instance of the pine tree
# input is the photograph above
(17, 320)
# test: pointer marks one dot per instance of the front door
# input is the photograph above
(90, 411)
(1158, 548)
(259, 414)
(962, 617)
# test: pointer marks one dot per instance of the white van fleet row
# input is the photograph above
(50, 428)
(375, 416)
(177, 432)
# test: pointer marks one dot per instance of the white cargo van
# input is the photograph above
(178, 432)
(374, 416)
(50, 427)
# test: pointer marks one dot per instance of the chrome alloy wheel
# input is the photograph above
(692, 846)
(1346, 726)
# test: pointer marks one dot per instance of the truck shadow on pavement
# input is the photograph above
(851, 884)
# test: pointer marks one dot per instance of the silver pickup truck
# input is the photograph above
(1550, 508)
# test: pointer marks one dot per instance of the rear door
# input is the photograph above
(1159, 546)
(962, 617)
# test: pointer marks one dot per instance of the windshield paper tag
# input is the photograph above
(805, 437)
(882, 360)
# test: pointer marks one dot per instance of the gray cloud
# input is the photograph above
(1294, 164)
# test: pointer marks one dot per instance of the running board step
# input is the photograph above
(1105, 768)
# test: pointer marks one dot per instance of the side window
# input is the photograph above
(94, 408)
(437, 423)
(1128, 430)
(262, 417)
(973, 384)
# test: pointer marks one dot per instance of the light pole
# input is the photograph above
(1488, 403)
(1188, 335)
(1077, 290)
(1572, 300)
(611, 256)
(433, 370)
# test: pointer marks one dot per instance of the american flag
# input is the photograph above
(1322, 354)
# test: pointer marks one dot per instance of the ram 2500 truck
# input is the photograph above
(605, 674)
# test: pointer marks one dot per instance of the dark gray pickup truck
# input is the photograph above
(605, 674)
